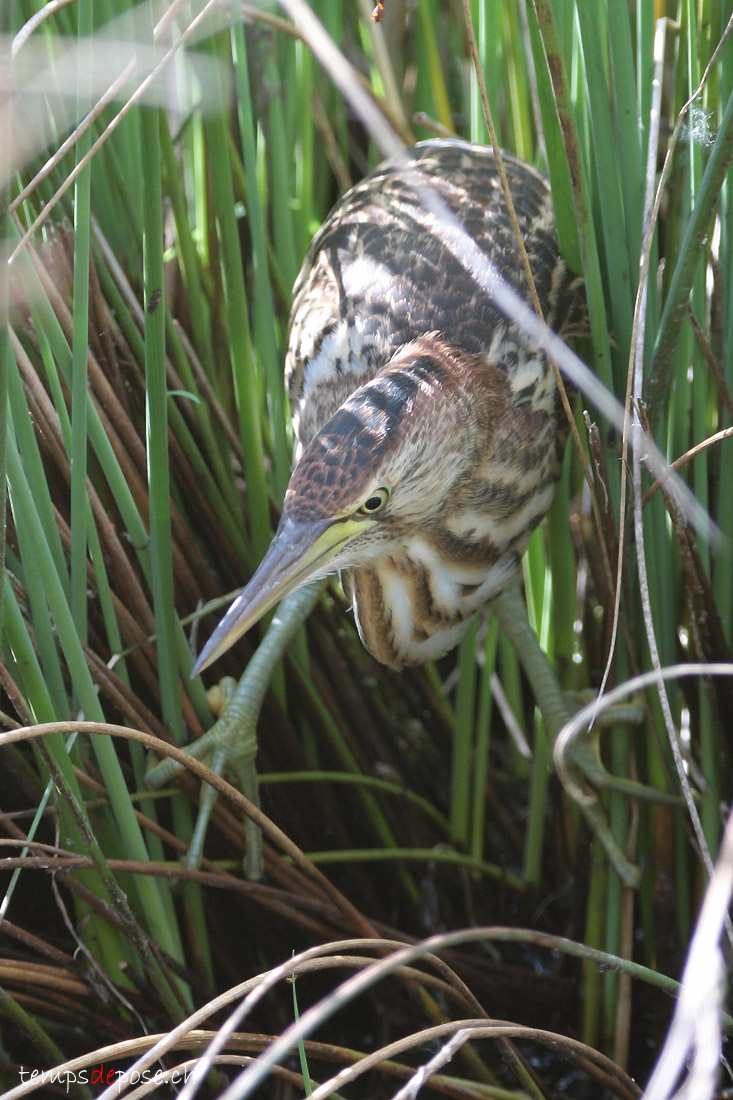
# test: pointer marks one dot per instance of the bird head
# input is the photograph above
(377, 472)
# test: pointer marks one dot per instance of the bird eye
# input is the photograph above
(374, 502)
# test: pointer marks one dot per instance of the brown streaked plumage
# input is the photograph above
(429, 434)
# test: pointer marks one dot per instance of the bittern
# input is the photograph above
(429, 432)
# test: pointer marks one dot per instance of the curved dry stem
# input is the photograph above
(243, 805)
(688, 456)
(460, 1032)
(583, 718)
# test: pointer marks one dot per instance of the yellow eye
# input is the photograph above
(374, 502)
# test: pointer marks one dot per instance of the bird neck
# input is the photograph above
(499, 461)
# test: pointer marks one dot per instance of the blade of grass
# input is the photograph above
(82, 216)
(622, 277)
(246, 384)
(463, 739)
(154, 900)
(675, 305)
(5, 67)
(264, 306)
(570, 161)
(483, 741)
(156, 416)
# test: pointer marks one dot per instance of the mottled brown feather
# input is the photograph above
(401, 370)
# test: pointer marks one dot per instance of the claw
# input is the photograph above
(577, 759)
(231, 743)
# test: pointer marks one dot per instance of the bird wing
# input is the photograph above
(379, 274)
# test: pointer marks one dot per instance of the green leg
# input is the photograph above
(511, 612)
(231, 743)
(583, 760)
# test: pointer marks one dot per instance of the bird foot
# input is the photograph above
(581, 756)
(577, 759)
(583, 775)
(231, 743)
(580, 767)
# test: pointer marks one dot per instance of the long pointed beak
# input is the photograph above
(298, 553)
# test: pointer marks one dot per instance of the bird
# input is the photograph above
(429, 432)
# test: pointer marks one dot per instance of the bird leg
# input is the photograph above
(231, 743)
(583, 756)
